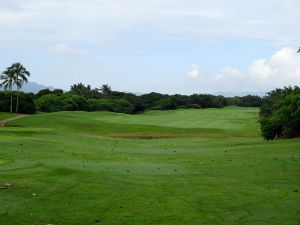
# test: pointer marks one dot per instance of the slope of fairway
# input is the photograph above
(231, 121)
(184, 167)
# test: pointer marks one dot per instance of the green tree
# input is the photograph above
(105, 90)
(20, 75)
(7, 82)
(280, 113)
(42, 92)
(81, 90)
(164, 104)
(78, 89)
(58, 91)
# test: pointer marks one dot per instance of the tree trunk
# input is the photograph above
(17, 105)
(11, 100)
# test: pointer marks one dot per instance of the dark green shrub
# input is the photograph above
(121, 106)
(49, 103)
(270, 128)
(74, 102)
(112, 105)
(99, 105)
(42, 92)
(66, 102)
(164, 104)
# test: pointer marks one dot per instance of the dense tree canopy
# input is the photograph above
(280, 113)
(26, 102)
(66, 102)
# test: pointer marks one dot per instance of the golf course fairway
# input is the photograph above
(181, 167)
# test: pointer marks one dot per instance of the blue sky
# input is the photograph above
(167, 46)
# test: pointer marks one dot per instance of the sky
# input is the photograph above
(167, 46)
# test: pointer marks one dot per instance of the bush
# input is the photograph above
(66, 102)
(99, 105)
(49, 103)
(250, 101)
(47, 91)
(74, 102)
(112, 105)
(149, 100)
(208, 101)
(164, 104)
(122, 106)
(288, 113)
(270, 128)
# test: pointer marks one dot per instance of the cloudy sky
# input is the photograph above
(168, 46)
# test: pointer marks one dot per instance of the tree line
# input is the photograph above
(83, 97)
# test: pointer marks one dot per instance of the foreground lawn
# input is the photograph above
(184, 167)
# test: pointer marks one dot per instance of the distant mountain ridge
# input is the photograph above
(33, 87)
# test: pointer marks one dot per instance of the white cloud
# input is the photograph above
(229, 71)
(282, 68)
(194, 20)
(279, 70)
(195, 71)
(286, 56)
(260, 69)
(197, 13)
(63, 49)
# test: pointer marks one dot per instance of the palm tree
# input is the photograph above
(79, 89)
(20, 76)
(7, 81)
(16, 74)
(106, 90)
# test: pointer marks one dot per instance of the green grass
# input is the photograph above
(181, 167)
(4, 115)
